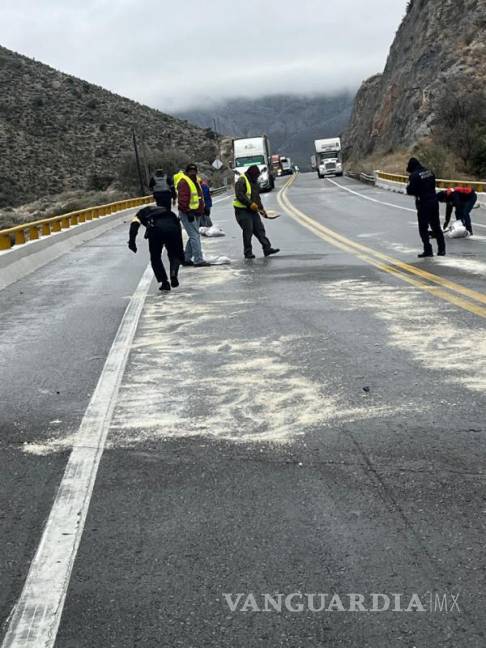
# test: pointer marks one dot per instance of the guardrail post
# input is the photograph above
(5, 242)
(46, 229)
(33, 233)
(74, 219)
(65, 222)
(56, 226)
(19, 237)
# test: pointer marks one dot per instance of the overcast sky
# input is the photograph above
(182, 54)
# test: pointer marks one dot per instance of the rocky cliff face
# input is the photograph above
(57, 132)
(439, 41)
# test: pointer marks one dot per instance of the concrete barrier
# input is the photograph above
(22, 260)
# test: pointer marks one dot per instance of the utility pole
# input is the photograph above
(140, 177)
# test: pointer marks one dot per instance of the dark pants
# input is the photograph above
(251, 224)
(206, 219)
(464, 213)
(163, 199)
(429, 216)
(171, 238)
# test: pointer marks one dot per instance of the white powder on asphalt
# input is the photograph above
(182, 381)
(421, 327)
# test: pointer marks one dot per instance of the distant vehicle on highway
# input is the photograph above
(254, 150)
(285, 166)
(328, 157)
(275, 164)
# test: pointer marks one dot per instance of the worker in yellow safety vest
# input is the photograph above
(191, 207)
(248, 209)
(177, 177)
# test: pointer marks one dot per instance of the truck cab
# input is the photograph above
(328, 157)
(285, 166)
(254, 151)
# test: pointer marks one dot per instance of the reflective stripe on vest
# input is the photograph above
(237, 203)
(195, 198)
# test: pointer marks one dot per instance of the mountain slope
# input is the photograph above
(58, 132)
(291, 122)
(440, 45)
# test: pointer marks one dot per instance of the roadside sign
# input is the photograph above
(217, 164)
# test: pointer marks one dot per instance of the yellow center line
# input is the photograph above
(386, 263)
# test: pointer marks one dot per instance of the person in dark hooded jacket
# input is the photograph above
(422, 185)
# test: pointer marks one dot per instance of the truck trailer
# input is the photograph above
(328, 158)
(254, 150)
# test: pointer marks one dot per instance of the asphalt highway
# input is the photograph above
(267, 456)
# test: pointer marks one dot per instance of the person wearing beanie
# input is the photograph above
(422, 185)
(248, 211)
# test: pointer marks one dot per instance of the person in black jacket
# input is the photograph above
(422, 185)
(162, 229)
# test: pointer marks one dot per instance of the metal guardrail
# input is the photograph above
(480, 187)
(219, 190)
(24, 232)
(367, 178)
(362, 177)
(32, 231)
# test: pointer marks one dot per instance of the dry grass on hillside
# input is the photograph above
(442, 162)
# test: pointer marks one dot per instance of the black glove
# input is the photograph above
(132, 246)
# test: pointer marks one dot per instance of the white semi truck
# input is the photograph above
(250, 151)
(328, 158)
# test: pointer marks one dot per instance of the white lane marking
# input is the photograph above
(34, 621)
(215, 202)
(375, 200)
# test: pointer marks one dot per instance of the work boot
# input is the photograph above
(174, 281)
(202, 264)
(425, 254)
(250, 256)
(271, 251)
(187, 263)
(441, 253)
(165, 285)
